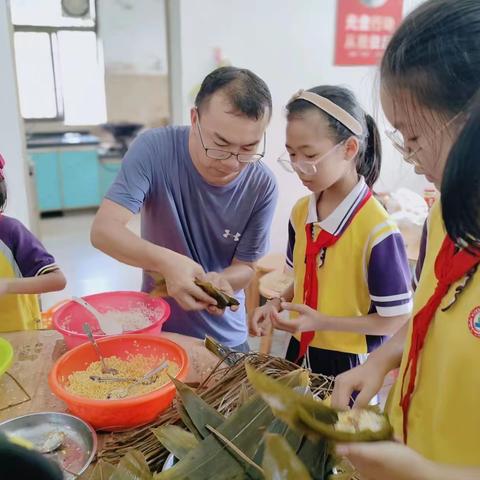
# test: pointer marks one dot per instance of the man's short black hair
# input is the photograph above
(247, 92)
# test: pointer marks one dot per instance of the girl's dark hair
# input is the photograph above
(435, 57)
(369, 158)
(461, 184)
(3, 194)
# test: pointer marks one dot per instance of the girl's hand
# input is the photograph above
(386, 460)
(3, 286)
(308, 319)
(263, 317)
(367, 379)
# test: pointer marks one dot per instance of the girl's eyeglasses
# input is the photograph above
(407, 153)
(305, 167)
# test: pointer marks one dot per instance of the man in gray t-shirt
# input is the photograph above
(207, 202)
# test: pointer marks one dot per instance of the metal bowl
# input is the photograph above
(79, 446)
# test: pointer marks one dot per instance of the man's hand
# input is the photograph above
(220, 282)
(180, 273)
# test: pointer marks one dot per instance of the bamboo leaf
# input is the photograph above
(187, 421)
(284, 401)
(175, 439)
(244, 428)
(315, 457)
(223, 299)
(314, 418)
(132, 466)
(200, 413)
(102, 471)
(280, 461)
(318, 428)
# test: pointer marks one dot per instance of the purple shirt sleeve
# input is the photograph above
(28, 252)
(254, 243)
(290, 245)
(421, 256)
(133, 182)
(389, 277)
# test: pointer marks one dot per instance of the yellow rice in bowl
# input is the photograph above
(136, 366)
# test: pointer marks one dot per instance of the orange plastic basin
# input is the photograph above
(125, 413)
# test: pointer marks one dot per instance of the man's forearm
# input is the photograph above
(239, 275)
(121, 243)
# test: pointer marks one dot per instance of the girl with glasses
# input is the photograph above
(351, 278)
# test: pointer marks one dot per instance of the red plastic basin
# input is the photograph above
(70, 317)
(125, 413)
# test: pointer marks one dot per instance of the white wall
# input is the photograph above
(12, 139)
(133, 35)
(290, 44)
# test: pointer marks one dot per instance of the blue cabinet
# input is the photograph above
(49, 194)
(66, 178)
(80, 184)
(109, 168)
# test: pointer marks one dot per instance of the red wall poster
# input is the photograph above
(364, 28)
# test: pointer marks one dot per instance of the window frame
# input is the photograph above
(52, 33)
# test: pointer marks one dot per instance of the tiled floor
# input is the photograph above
(87, 269)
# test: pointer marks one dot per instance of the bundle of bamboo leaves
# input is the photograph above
(226, 430)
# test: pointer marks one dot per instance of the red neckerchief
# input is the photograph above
(450, 265)
(314, 247)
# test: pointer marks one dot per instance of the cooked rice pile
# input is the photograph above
(357, 420)
(133, 319)
(136, 366)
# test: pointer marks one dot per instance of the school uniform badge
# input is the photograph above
(474, 322)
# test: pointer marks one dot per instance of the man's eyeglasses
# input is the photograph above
(217, 154)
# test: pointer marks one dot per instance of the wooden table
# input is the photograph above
(37, 350)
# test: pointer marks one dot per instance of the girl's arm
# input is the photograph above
(368, 378)
(312, 320)
(47, 282)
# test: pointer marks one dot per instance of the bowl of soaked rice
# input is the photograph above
(136, 312)
(75, 380)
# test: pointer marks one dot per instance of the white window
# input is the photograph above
(59, 63)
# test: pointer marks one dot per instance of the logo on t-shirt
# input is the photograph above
(236, 237)
(474, 322)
